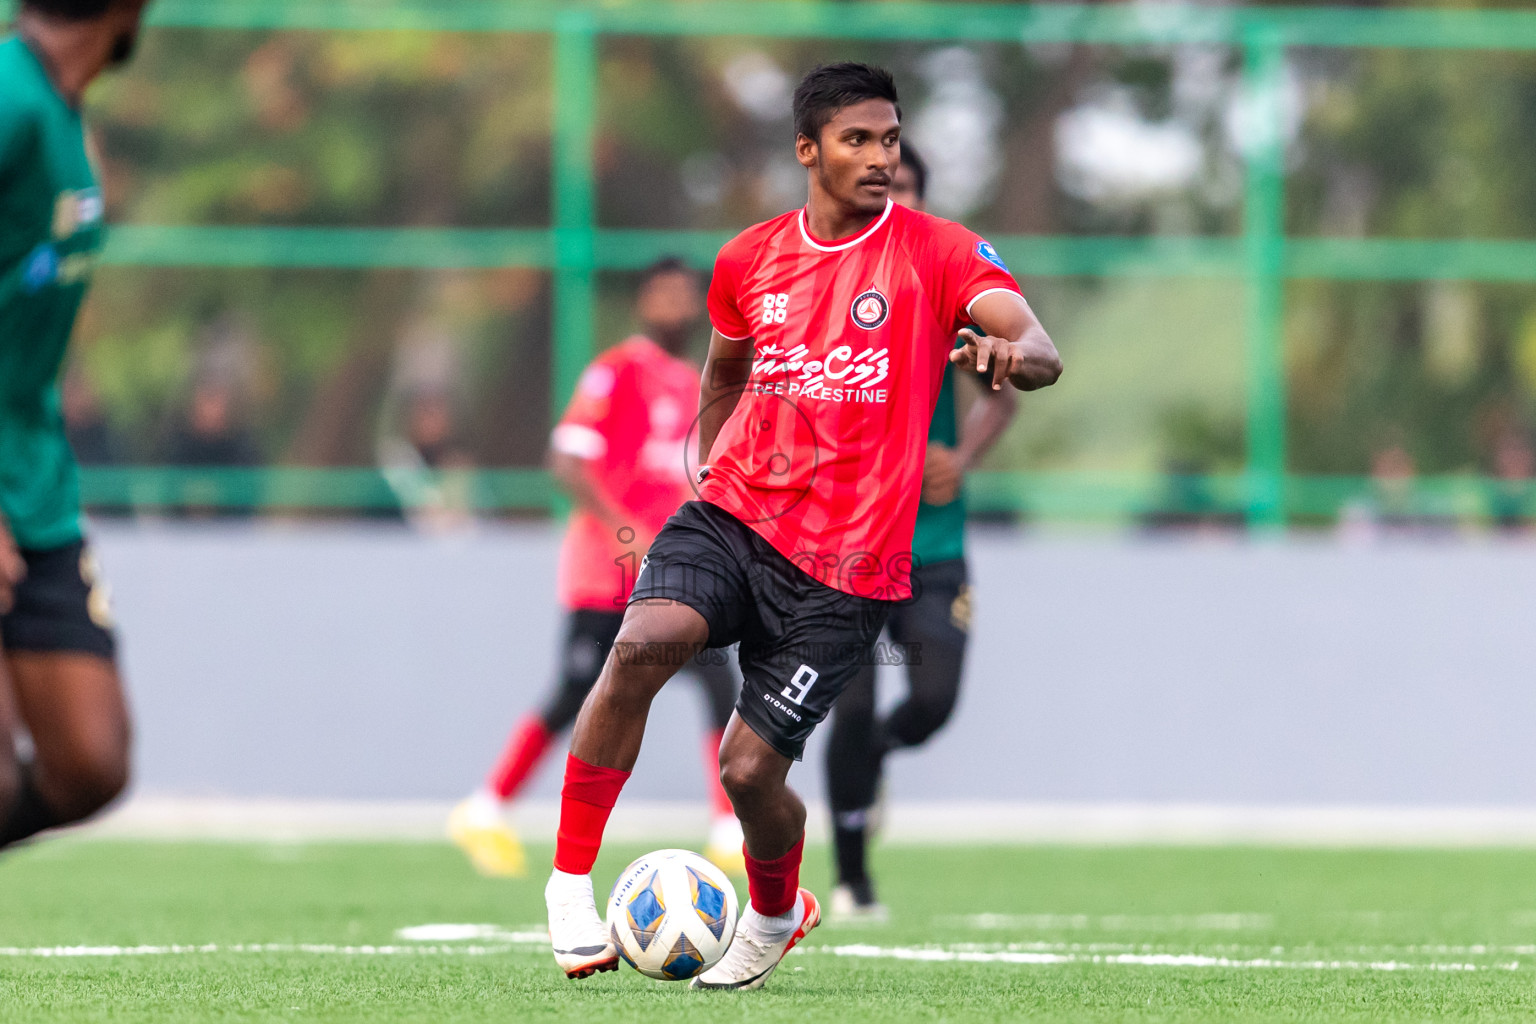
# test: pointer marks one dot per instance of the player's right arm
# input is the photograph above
(18, 142)
(728, 367)
(16, 131)
(579, 443)
(727, 370)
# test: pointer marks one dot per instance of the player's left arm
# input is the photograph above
(985, 423)
(944, 468)
(1014, 346)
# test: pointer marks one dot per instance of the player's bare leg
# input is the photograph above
(780, 913)
(10, 768)
(73, 706)
(657, 639)
(754, 775)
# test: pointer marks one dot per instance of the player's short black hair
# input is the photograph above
(664, 266)
(831, 87)
(914, 163)
(69, 10)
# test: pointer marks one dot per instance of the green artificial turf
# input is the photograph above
(1458, 927)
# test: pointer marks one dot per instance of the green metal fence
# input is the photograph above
(575, 247)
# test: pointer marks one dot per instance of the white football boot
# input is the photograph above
(581, 941)
(753, 955)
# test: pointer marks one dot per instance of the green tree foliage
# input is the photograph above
(1412, 145)
(434, 129)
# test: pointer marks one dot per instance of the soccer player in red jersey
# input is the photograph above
(832, 326)
(618, 452)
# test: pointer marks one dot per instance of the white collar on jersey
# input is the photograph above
(850, 243)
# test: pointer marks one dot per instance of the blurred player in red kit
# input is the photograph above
(618, 452)
(833, 325)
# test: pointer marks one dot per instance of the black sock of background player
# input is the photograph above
(849, 844)
(28, 815)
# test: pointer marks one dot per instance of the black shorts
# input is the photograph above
(801, 640)
(61, 605)
(936, 623)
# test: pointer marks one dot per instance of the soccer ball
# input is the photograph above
(672, 914)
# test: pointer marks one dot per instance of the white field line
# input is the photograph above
(1372, 952)
(317, 949)
(1142, 960)
(1112, 922)
(447, 940)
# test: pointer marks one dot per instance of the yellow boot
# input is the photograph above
(479, 828)
(724, 846)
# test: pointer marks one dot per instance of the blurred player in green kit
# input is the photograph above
(935, 625)
(57, 653)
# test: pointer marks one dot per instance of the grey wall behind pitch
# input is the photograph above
(347, 662)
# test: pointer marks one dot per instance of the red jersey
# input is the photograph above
(632, 410)
(823, 455)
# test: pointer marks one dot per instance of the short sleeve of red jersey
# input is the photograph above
(725, 313)
(584, 429)
(969, 268)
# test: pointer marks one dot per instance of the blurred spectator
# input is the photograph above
(91, 436)
(1514, 464)
(430, 471)
(1186, 504)
(210, 435)
(431, 432)
(1392, 507)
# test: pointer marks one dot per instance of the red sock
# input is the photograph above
(774, 884)
(525, 749)
(719, 803)
(586, 800)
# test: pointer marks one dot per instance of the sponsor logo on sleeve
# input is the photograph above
(986, 252)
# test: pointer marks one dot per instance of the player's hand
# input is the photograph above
(983, 353)
(941, 474)
(13, 568)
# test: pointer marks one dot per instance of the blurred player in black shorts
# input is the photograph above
(59, 671)
(932, 628)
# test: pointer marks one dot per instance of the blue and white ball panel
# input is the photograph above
(683, 960)
(645, 911)
(708, 902)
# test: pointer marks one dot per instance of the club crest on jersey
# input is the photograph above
(870, 310)
(986, 252)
